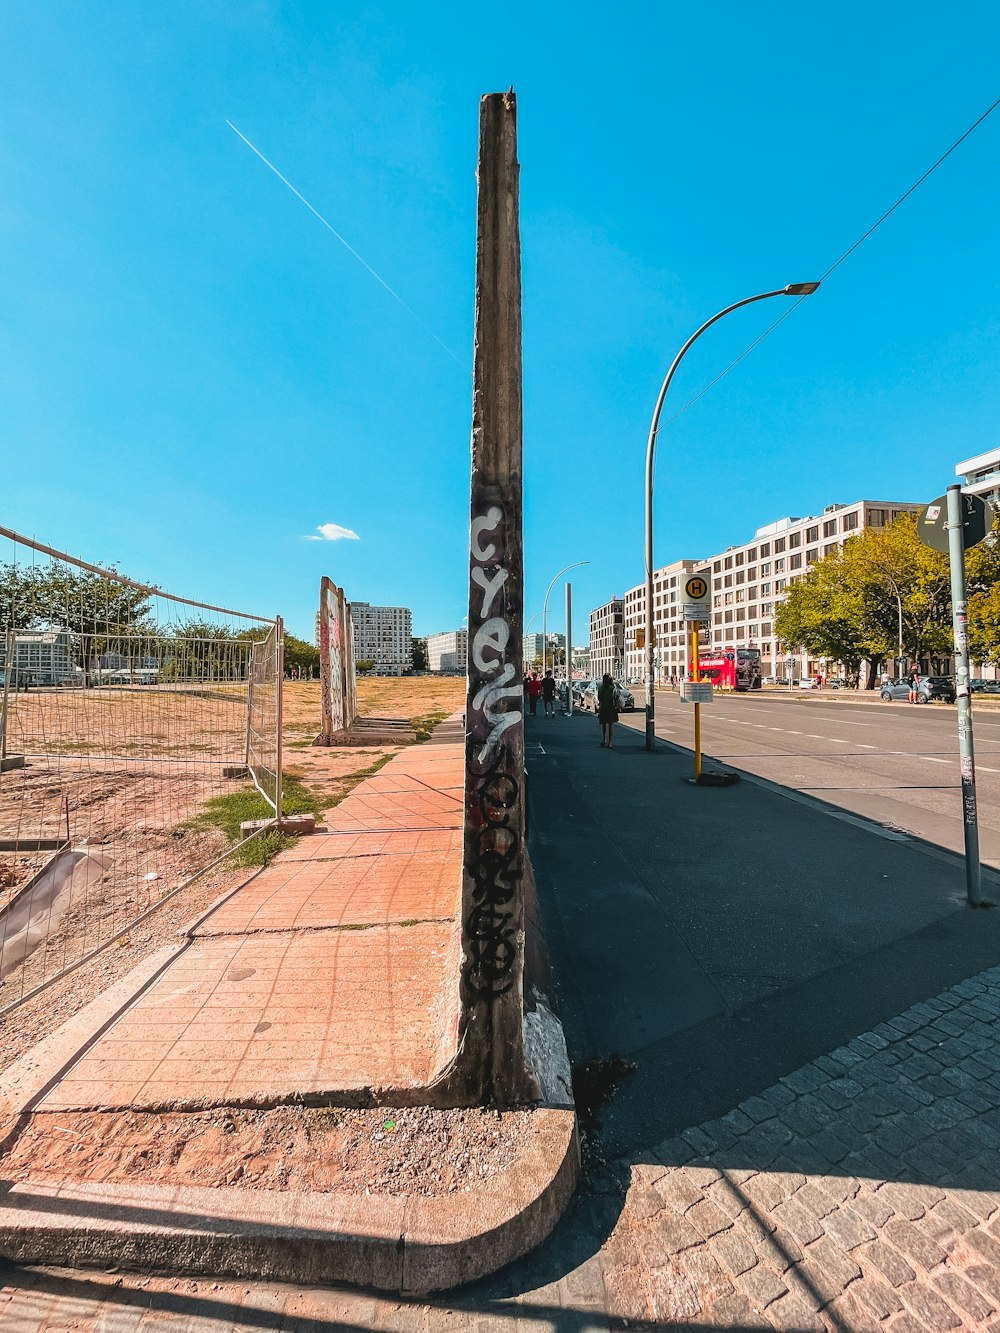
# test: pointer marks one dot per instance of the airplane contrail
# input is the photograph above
(346, 244)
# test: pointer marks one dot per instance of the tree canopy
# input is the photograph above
(885, 591)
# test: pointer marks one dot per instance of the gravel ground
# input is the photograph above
(412, 1150)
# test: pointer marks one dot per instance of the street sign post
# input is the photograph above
(952, 524)
(696, 604)
(696, 692)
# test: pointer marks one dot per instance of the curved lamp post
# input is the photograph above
(793, 289)
(545, 608)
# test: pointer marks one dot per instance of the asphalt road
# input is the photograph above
(896, 763)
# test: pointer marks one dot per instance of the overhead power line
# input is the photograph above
(849, 251)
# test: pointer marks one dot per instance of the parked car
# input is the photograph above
(928, 689)
(624, 701)
(580, 688)
(807, 683)
(984, 686)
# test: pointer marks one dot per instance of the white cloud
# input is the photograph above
(333, 532)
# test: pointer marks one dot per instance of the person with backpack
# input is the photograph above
(549, 694)
(607, 712)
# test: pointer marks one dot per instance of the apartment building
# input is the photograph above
(448, 651)
(671, 647)
(383, 635)
(607, 639)
(751, 580)
(980, 475)
(43, 657)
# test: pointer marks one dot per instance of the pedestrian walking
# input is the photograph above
(534, 692)
(914, 682)
(549, 694)
(607, 713)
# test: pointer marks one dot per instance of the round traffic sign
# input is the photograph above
(696, 588)
(932, 521)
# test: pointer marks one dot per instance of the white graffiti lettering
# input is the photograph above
(493, 634)
(489, 523)
(490, 585)
(485, 699)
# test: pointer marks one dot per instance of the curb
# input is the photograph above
(410, 1245)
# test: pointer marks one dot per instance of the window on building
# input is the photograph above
(716, 583)
(728, 580)
(729, 599)
(830, 528)
(878, 518)
(739, 557)
(795, 539)
(740, 595)
(729, 562)
(829, 550)
(779, 565)
(751, 555)
(779, 545)
(851, 521)
(751, 575)
(795, 561)
(752, 631)
(813, 555)
(741, 612)
(728, 617)
(740, 575)
(716, 566)
(766, 609)
(780, 585)
(717, 600)
(812, 534)
(765, 549)
(765, 569)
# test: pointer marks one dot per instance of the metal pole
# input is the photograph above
(8, 667)
(279, 652)
(569, 647)
(650, 451)
(545, 605)
(963, 698)
(697, 707)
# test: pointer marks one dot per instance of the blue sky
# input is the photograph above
(195, 375)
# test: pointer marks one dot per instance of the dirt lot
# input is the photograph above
(412, 1150)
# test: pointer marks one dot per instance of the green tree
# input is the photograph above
(302, 655)
(882, 592)
(419, 654)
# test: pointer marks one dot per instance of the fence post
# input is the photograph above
(279, 653)
(8, 659)
(250, 671)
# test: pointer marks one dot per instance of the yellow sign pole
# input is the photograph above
(697, 707)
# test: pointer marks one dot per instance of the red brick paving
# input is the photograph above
(306, 980)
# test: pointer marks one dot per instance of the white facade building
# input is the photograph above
(671, 648)
(383, 635)
(607, 639)
(43, 657)
(448, 651)
(749, 582)
(980, 475)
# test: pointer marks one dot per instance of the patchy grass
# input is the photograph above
(425, 723)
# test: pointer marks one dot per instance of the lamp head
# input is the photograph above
(801, 288)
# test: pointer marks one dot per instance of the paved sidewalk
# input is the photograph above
(811, 1138)
(331, 971)
(860, 1192)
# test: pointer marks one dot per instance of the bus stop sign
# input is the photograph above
(696, 604)
(932, 529)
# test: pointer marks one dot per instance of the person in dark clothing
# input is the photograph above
(534, 692)
(607, 713)
(549, 694)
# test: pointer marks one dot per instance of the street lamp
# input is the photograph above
(545, 605)
(793, 289)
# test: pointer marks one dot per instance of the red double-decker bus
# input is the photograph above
(732, 668)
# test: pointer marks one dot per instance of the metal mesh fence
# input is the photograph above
(123, 712)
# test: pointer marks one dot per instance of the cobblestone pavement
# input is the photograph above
(860, 1192)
